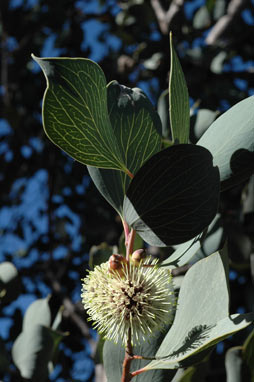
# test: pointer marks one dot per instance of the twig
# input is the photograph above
(165, 18)
(225, 22)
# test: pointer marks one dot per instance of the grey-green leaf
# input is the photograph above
(31, 352)
(179, 106)
(202, 317)
(113, 356)
(230, 139)
(200, 122)
(210, 241)
(9, 282)
(234, 364)
(163, 108)
(75, 114)
(37, 313)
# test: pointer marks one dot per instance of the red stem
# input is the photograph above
(137, 372)
(126, 232)
(130, 244)
(129, 174)
(126, 375)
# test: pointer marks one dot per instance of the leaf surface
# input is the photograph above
(179, 105)
(174, 196)
(31, 352)
(230, 139)
(37, 313)
(202, 318)
(137, 128)
(202, 246)
(75, 114)
(234, 364)
(113, 356)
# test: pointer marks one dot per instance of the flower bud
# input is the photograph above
(138, 256)
(116, 263)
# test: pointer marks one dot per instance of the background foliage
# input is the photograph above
(51, 214)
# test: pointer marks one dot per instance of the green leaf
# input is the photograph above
(32, 351)
(210, 241)
(113, 356)
(137, 128)
(38, 313)
(202, 318)
(181, 200)
(179, 106)
(213, 241)
(183, 254)
(230, 139)
(110, 185)
(75, 114)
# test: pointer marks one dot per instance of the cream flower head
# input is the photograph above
(140, 299)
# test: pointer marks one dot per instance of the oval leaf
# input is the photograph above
(75, 114)
(203, 245)
(192, 333)
(32, 352)
(181, 200)
(137, 127)
(230, 139)
(37, 313)
(113, 356)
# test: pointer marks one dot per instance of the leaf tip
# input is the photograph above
(35, 58)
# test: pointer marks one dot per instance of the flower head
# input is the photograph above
(140, 300)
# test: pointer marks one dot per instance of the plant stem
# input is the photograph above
(137, 372)
(126, 374)
(130, 244)
(126, 232)
(129, 174)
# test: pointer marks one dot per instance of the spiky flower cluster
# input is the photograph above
(140, 300)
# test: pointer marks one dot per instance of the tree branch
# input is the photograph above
(164, 17)
(225, 22)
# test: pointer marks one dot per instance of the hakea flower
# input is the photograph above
(138, 299)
